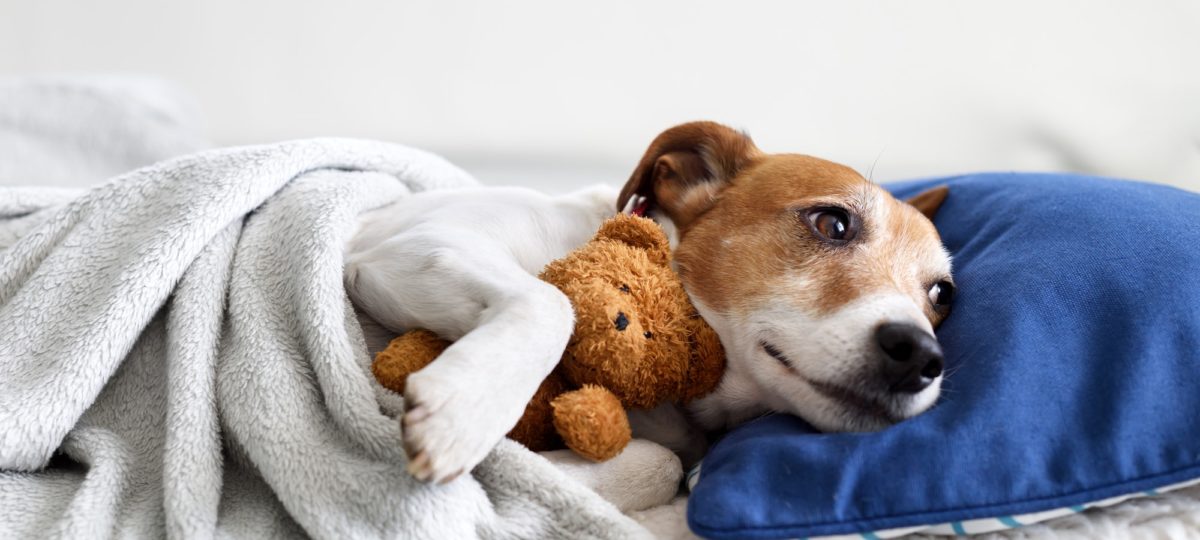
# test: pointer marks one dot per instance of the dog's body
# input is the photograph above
(823, 289)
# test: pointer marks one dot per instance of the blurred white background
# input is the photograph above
(558, 94)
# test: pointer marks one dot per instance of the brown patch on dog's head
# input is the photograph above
(754, 205)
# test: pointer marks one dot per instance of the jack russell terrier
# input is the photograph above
(823, 288)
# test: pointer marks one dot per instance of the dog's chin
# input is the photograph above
(850, 404)
(850, 411)
(845, 407)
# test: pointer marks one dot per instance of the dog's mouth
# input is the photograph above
(778, 355)
(858, 402)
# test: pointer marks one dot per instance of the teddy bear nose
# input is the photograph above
(622, 321)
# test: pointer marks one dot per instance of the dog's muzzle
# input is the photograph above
(912, 357)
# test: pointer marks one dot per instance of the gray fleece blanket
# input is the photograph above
(178, 358)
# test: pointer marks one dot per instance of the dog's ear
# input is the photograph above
(930, 200)
(686, 167)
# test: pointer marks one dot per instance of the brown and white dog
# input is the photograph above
(824, 289)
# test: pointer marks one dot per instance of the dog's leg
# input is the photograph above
(510, 327)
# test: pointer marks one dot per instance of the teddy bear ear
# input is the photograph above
(639, 232)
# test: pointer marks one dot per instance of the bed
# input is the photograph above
(73, 133)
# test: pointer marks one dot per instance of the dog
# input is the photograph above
(823, 288)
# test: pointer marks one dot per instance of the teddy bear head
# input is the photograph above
(634, 325)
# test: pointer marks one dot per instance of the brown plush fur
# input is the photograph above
(592, 421)
(405, 355)
(638, 343)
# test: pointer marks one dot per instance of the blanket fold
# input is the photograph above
(179, 358)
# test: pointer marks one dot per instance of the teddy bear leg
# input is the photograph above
(406, 355)
(535, 429)
(592, 422)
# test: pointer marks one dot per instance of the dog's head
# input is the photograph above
(824, 289)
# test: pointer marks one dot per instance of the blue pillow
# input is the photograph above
(1073, 354)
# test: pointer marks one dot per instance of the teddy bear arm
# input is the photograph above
(535, 429)
(707, 362)
(404, 356)
(592, 422)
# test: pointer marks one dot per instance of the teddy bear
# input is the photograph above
(638, 342)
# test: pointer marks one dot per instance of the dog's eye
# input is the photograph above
(624, 288)
(941, 294)
(832, 224)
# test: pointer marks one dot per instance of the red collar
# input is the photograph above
(641, 207)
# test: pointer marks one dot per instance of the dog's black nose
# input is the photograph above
(913, 357)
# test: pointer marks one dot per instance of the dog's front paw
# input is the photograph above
(448, 426)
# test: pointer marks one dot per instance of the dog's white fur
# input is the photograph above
(464, 263)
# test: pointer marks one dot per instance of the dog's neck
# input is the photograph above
(667, 225)
(737, 398)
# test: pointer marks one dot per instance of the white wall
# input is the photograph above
(558, 93)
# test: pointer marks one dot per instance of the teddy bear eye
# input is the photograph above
(648, 335)
(624, 288)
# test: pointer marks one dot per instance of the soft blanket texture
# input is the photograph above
(179, 358)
